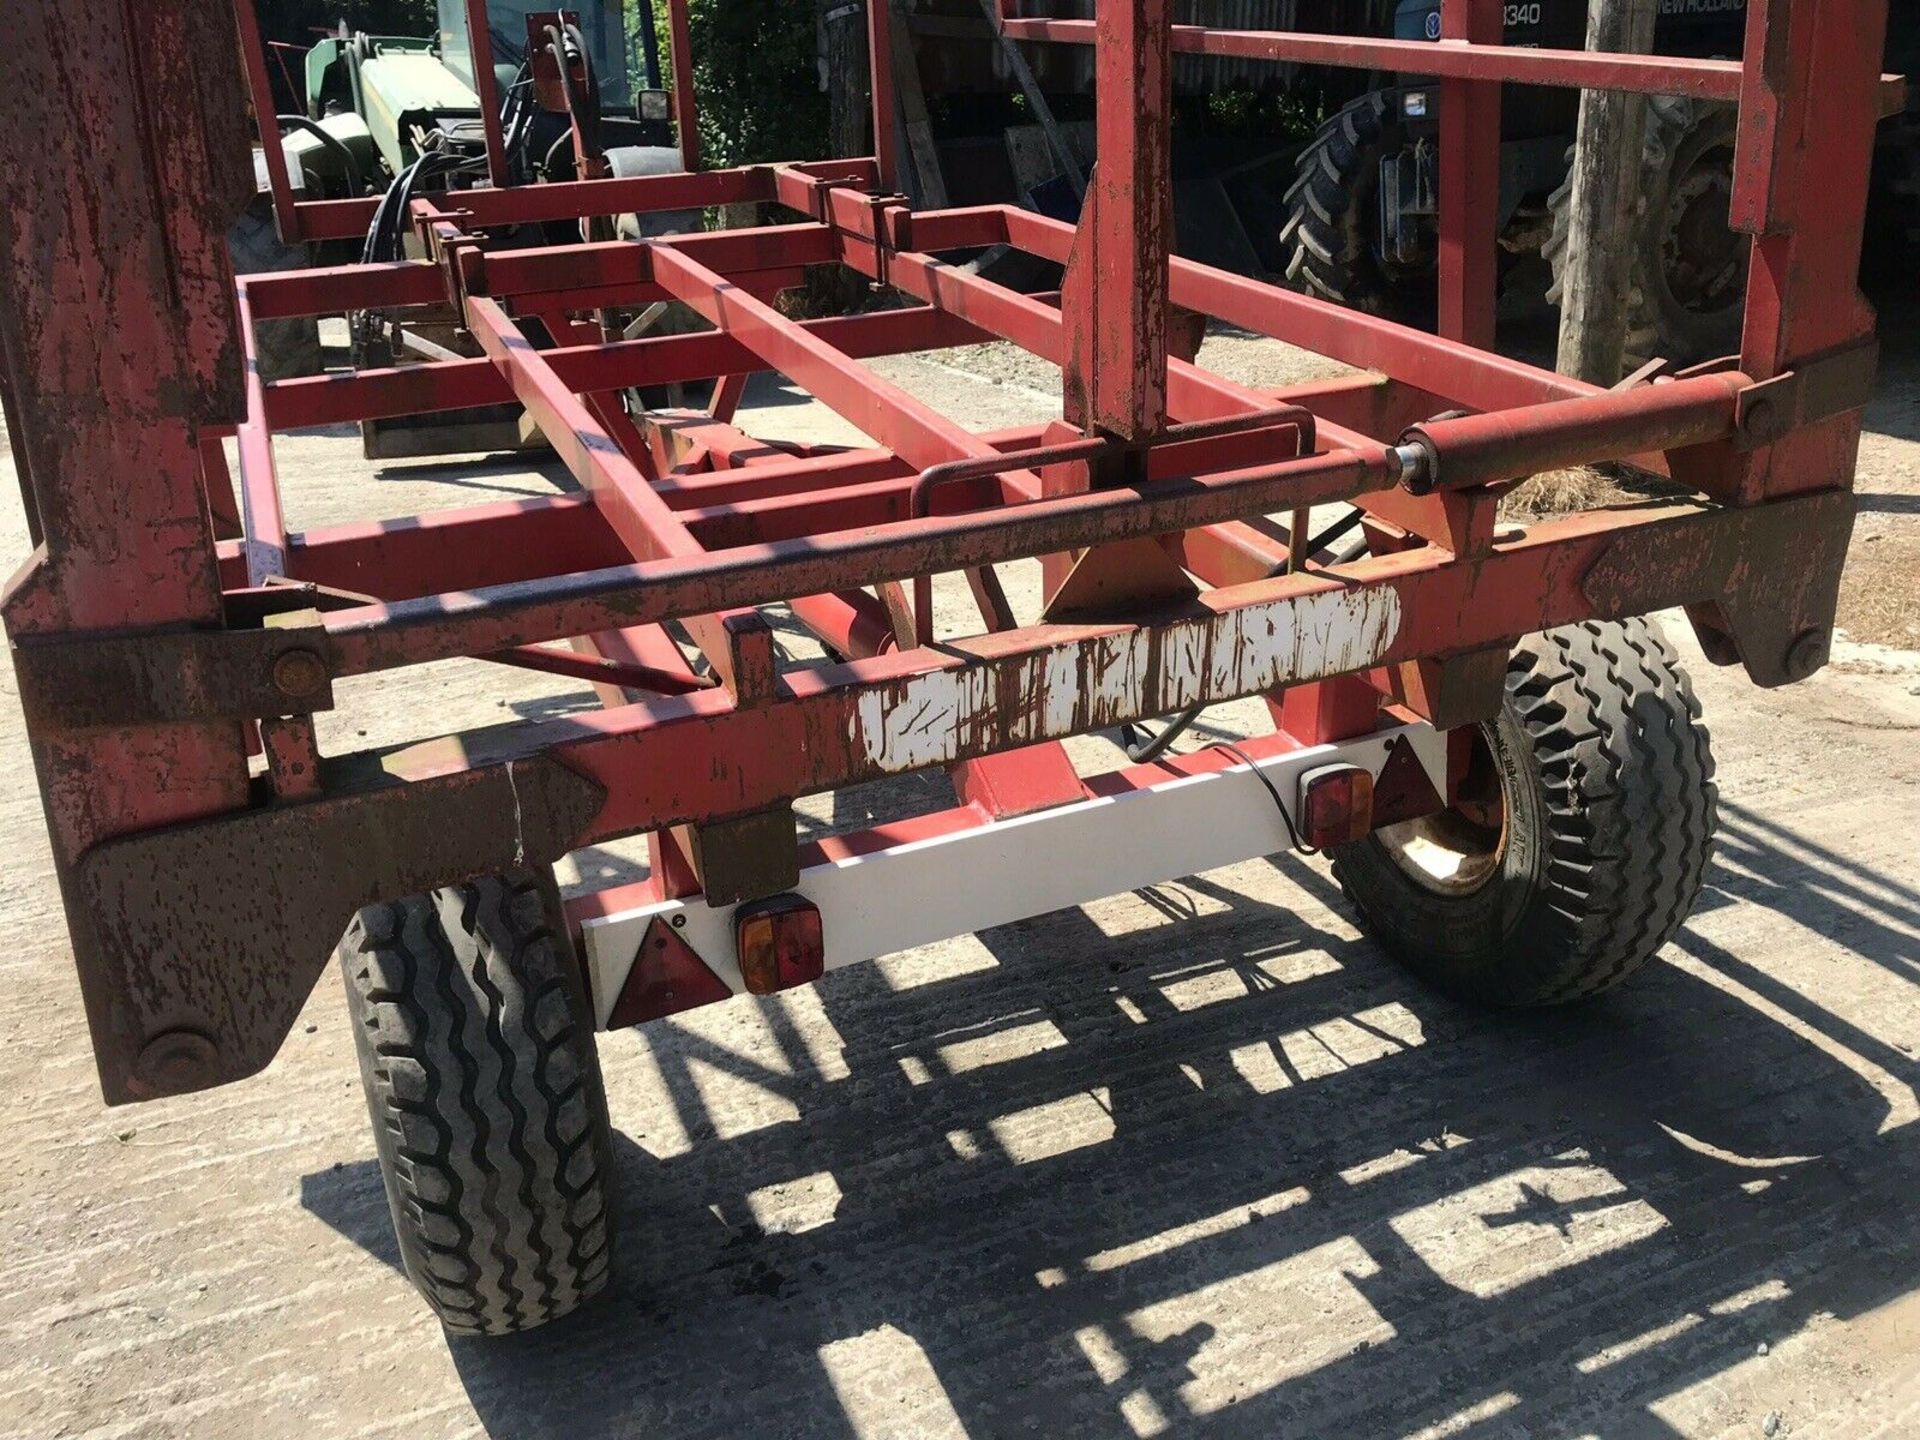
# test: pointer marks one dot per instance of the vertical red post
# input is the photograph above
(686, 111)
(1116, 290)
(253, 52)
(1802, 170)
(487, 86)
(1801, 177)
(886, 139)
(127, 385)
(1470, 182)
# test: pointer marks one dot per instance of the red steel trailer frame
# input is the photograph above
(162, 632)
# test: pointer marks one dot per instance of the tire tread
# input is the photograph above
(490, 1122)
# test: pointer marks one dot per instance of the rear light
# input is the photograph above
(1336, 805)
(780, 944)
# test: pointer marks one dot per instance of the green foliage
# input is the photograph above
(755, 73)
(1241, 112)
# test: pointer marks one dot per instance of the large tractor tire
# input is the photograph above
(1579, 841)
(1331, 238)
(288, 349)
(1687, 293)
(476, 1052)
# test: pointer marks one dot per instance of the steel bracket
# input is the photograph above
(198, 944)
(1820, 389)
(91, 681)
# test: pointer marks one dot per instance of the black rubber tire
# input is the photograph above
(288, 349)
(1683, 137)
(1607, 774)
(1332, 213)
(476, 1052)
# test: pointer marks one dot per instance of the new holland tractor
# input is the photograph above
(398, 116)
(1360, 215)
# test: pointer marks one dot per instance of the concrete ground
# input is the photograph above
(1197, 1160)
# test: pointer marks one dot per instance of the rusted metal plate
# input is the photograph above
(98, 681)
(198, 944)
(1772, 588)
(746, 857)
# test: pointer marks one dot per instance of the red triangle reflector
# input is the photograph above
(1403, 790)
(668, 976)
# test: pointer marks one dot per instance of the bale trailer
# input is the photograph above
(1475, 721)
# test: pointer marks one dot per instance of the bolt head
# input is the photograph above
(175, 1061)
(1807, 654)
(299, 674)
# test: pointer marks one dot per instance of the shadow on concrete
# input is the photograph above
(1253, 1182)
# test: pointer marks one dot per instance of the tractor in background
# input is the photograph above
(1360, 226)
(401, 116)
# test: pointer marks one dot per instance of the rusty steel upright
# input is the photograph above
(174, 639)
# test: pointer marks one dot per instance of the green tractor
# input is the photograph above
(400, 117)
(1361, 216)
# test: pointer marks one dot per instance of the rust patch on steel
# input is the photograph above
(220, 929)
(1774, 583)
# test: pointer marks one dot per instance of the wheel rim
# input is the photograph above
(1460, 850)
(1701, 253)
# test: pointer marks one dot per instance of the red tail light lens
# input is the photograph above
(780, 943)
(1336, 805)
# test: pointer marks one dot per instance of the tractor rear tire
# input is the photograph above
(1580, 840)
(288, 349)
(1333, 214)
(1687, 287)
(476, 1053)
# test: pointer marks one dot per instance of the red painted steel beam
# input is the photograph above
(639, 516)
(875, 406)
(502, 543)
(812, 474)
(117, 352)
(1114, 297)
(572, 199)
(1470, 182)
(582, 433)
(642, 647)
(330, 289)
(599, 670)
(880, 93)
(686, 108)
(263, 523)
(253, 51)
(584, 369)
(485, 85)
(382, 637)
(1801, 179)
(561, 273)
(684, 759)
(734, 519)
(1577, 69)
(1041, 328)
(1466, 376)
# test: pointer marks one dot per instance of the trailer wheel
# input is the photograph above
(476, 1053)
(1688, 288)
(1331, 236)
(288, 349)
(1580, 838)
